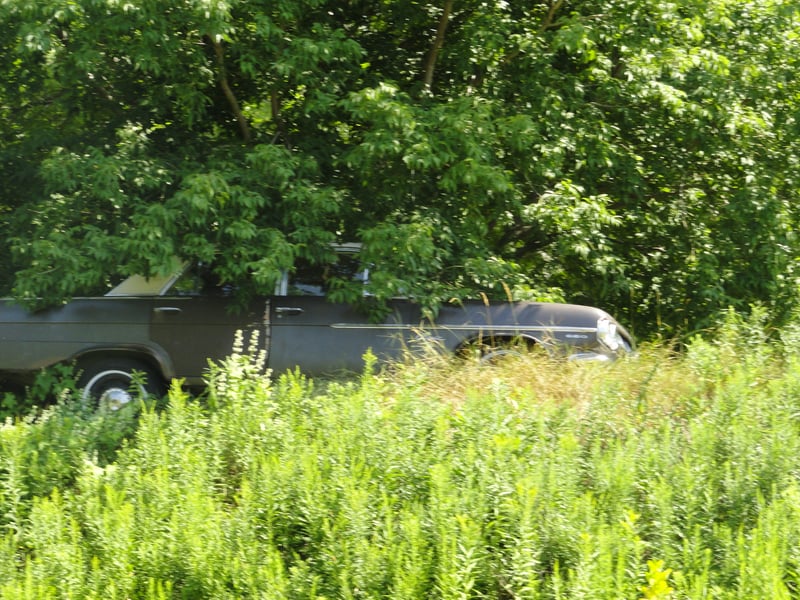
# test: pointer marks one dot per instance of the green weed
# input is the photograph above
(661, 476)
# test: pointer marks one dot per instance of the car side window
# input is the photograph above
(308, 280)
(199, 280)
(314, 280)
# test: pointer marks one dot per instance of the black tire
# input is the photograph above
(495, 352)
(110, 383)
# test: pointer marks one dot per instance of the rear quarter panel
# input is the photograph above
(32, 340)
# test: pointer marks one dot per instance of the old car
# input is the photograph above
(169, 327)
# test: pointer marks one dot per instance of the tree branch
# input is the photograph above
(548, 20)
(280, 131)
(546, 24)
(430, 61)
(222, 76)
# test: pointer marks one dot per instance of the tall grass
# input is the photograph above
(660, 476)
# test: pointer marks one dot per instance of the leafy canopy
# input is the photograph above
(639, 155)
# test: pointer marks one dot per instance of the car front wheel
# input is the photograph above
(496, 352)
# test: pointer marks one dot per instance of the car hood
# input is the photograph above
(537, 315)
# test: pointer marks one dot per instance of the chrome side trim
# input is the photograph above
(494, 328)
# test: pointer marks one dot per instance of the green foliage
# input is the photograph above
(57, 383)
(638, 155)
(659, 476)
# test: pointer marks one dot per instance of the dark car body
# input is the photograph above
(172, 326)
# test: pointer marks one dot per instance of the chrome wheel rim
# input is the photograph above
(115, 396)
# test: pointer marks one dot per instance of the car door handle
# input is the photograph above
(288, 310)
(167, 309)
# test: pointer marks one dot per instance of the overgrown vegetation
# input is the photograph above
(660, 476)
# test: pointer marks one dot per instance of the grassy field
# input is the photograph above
(660, 476)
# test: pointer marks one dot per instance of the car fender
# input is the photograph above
(153, 355)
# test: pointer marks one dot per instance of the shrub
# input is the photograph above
(660, 476)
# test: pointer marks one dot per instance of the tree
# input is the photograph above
(638, 155)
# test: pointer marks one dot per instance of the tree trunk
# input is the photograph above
(222, 75)
(430, 62)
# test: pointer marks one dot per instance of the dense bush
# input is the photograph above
(638, 155)
(660, 476)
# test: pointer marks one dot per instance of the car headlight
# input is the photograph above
(608, 335)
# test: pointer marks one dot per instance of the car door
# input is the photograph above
(320, 336)
(197, 320)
